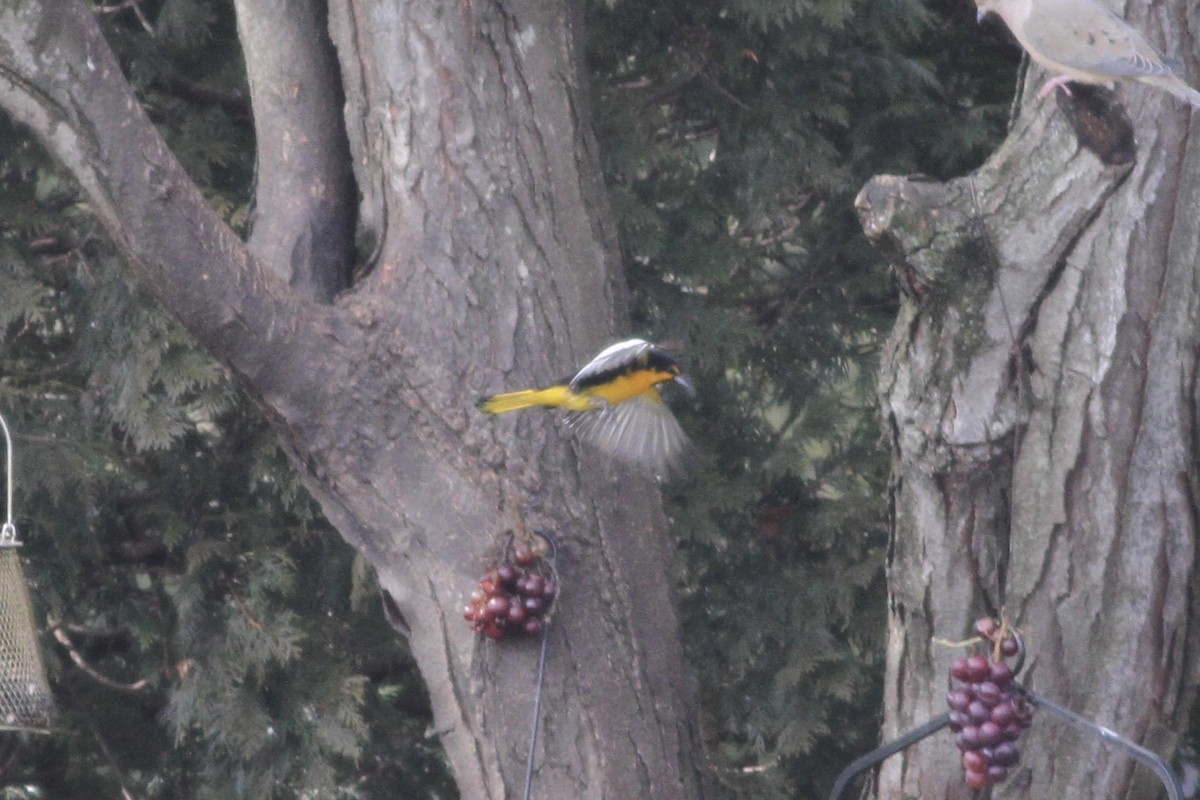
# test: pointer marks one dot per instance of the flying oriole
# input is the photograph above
(615, 404)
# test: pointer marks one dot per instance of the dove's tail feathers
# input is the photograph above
(1185, 92)
(1176, 86)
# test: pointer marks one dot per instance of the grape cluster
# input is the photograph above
(514, 596)
(987, 715)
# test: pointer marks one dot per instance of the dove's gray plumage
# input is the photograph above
(1086, 41)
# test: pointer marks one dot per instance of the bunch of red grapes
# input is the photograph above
(514, 596)
(987, 714)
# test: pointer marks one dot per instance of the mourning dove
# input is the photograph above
(1086, 41)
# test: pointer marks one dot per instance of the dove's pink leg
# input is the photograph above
(1055, 83)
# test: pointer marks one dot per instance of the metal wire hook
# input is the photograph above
(8, 533)
(548, 538)
(1149, 758)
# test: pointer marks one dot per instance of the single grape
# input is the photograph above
(1006, 754)
(986, 627)
(977, 669)
(534, 626)
(988, 693)
(978, 712)
(976, 780)
(999, 674)
(1003, 714)
(996, 774)
(974, 761)
(967, 738)
(498, 605)
(516, 613)
(958, 699)
(1009, 647)
(506, 575)
(990, 734)
(524, 555)
(1013, 731)
(958, 669)
(535, 605)
(534, 585)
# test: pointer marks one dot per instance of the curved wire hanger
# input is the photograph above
(8, 532)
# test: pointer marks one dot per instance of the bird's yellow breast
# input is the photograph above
(629, 384)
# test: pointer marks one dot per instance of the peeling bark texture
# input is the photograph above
(1039, 394)
(493, 264)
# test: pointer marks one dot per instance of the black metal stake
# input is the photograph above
(548, 538)
(1151, 759)
(864, 763)
(1148, 757)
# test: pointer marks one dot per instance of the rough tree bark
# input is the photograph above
(303, 221)
(1039, 393)
(493, 264)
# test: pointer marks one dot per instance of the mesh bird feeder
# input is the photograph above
(25, 701)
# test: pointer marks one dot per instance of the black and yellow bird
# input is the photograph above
(615, 404)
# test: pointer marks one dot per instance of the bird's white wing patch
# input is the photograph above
(641, 430)
(611, 357)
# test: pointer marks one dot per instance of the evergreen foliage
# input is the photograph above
(170, 543)
(735, 135)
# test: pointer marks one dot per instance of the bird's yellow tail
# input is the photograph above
(559, 396)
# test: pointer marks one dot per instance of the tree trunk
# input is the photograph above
(1039, 394)
(494, 265)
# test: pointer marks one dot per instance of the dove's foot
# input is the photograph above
(1055, 83)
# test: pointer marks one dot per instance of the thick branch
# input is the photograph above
(59, 77)
(304, 204)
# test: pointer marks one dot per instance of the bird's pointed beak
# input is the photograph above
(686, 384)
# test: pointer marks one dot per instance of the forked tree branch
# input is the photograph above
(303, 222)
(59, 77)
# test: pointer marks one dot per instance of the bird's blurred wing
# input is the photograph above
(641, 430)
